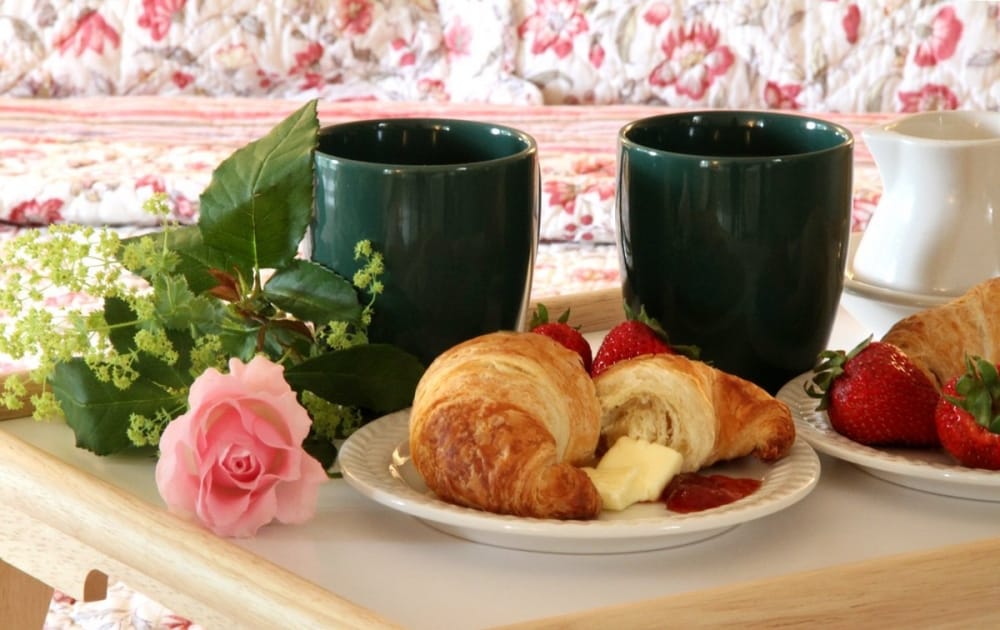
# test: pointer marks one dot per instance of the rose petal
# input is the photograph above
(296, 502)
(235, 459)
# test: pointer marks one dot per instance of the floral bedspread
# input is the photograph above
(834, 55)
(96, 160)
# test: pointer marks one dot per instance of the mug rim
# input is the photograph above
(529, 148)
(835, 129)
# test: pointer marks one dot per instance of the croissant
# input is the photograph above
(938, 339)
(704, 413)
(501, 422)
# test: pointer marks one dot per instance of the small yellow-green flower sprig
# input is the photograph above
(89, 265)
(330, 420)
(339, 335)
(97, 265)
(146, 431)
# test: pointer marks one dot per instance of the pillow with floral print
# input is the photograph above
(481, 44)
(656, 51)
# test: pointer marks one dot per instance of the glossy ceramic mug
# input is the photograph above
(453, 207)
(733, 232)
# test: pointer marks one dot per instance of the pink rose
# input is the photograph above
(235, 459)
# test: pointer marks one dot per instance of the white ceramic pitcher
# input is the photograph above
(936, 230)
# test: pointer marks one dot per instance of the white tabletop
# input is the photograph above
(409, 573)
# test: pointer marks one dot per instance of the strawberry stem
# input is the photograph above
(978, 392)
(829, 366)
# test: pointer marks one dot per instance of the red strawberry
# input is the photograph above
(875, 395)
(637, 335)
(561, 332)
(968, 415)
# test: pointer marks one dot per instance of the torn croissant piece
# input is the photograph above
(704, 413)
(938, 339)
(501, 422)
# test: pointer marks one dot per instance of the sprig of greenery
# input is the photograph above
(162, 308)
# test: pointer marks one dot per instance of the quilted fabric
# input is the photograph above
(96, 160)
(848, 56)
(838, 55)
(332, 49)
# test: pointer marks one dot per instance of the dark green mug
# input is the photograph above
(733, 229)
(453, 207)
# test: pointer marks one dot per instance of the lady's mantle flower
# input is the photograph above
(235, 459)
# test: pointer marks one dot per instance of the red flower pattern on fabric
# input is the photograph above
(153, 181)
(931, 97)
(851, 23)
(37, 212)
(458, 39)
(596, 55)
(594, 165)
(561, 194)
(181, 79)
(307, 58)
(355, 16)
(941, 38)
(158, 15)
(657, 13)
(782, 96)
(89, 32)
(605, 189)
(694, 60)
(554, 25)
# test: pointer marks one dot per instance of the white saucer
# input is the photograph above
(885, 294)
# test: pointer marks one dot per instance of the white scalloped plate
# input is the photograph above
(375, 461)
(928, 470)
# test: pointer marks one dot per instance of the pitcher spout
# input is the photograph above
(883, 143)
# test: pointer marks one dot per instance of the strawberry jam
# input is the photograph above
(691, 492)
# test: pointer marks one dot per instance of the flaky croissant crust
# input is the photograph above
(938, 339)
(704, 413)
(501, 422)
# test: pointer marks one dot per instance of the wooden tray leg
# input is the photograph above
(24, 601)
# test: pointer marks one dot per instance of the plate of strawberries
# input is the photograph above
(873, 407)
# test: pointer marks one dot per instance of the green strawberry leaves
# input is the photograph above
(978, 392)
(829, 366)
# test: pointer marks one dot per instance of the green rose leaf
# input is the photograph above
(314, 293)
(321, 449)
(194, 258)
(124, 327)
(259, 202)
(99, 412)
(378, 377)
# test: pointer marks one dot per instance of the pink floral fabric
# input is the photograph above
(99, 159)
(829, 55)
(833, 55)
(336, 50)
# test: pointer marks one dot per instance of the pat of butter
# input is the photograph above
(616, 486)
(654, 465)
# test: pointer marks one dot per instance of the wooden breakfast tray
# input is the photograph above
(955, 585)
